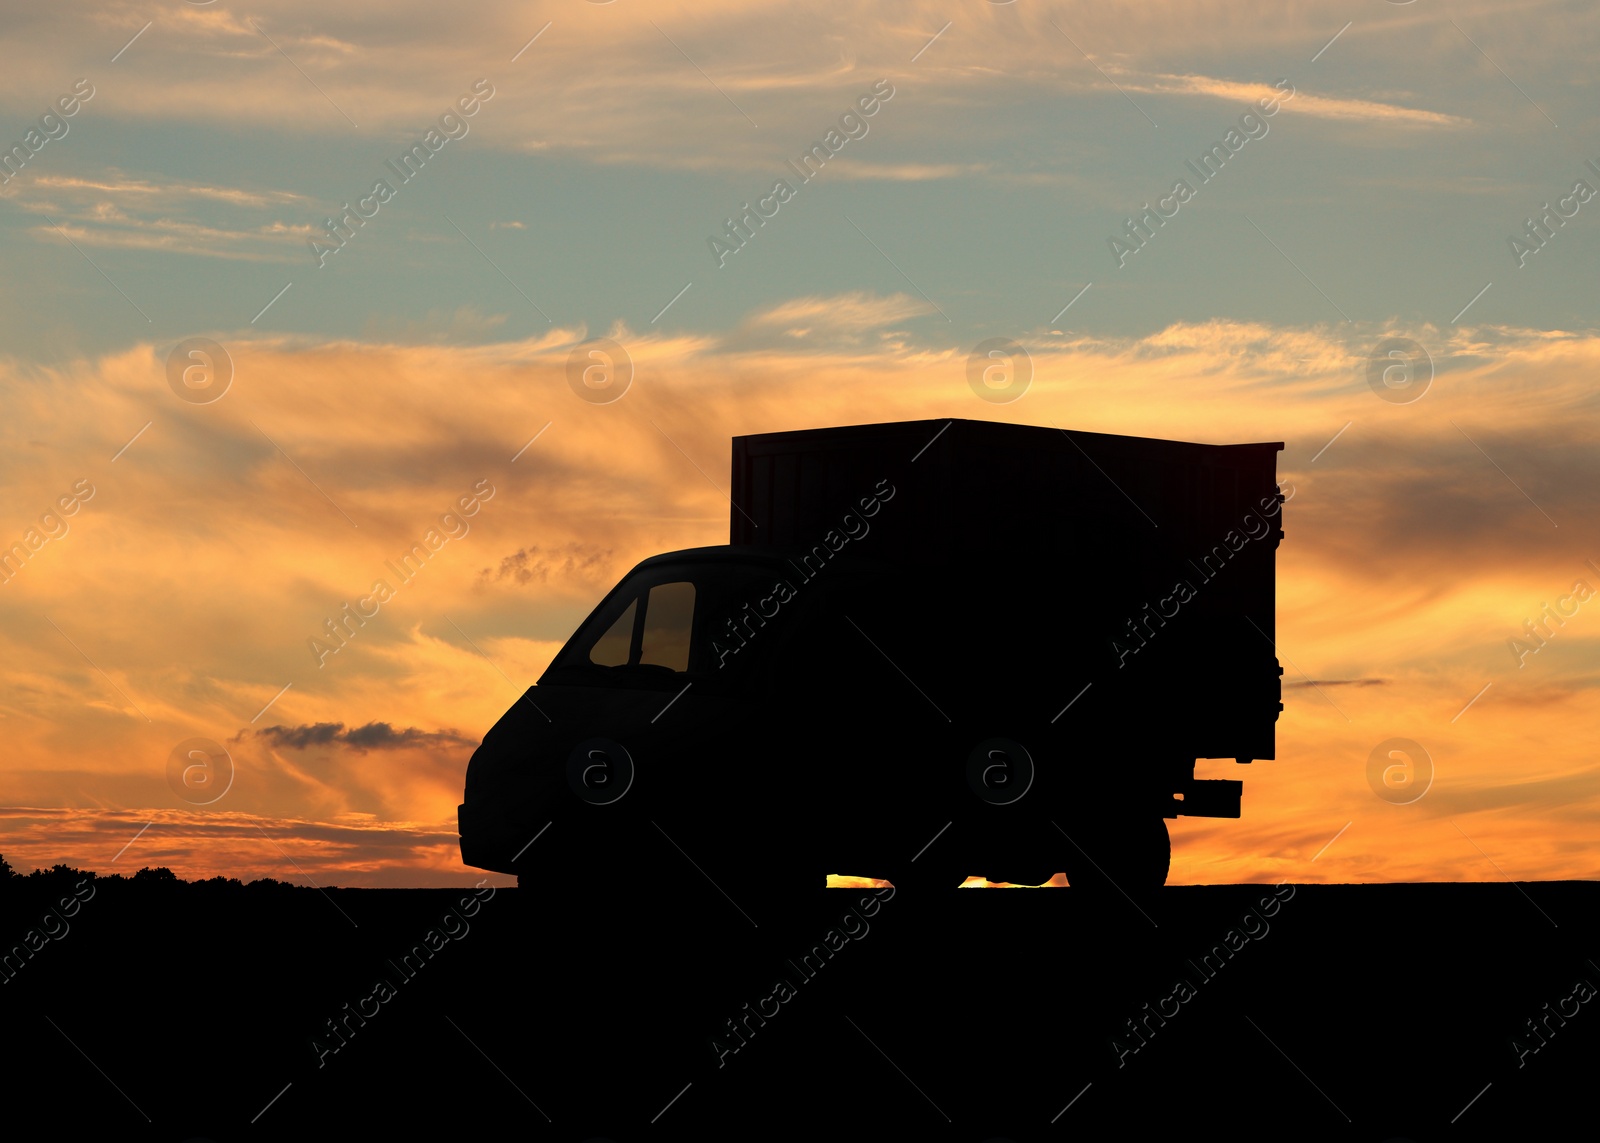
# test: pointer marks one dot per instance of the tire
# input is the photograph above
(1128, 855)
(602, 882)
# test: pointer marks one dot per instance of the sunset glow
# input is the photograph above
(178, 567)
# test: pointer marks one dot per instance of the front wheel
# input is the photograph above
(1133, 855)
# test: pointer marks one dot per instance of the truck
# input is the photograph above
(931, 650)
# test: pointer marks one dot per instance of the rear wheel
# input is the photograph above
(1130, 854)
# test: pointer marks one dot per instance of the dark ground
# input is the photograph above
(1355, 1012)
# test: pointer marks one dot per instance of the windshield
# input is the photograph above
(655, 629)
(669, 622)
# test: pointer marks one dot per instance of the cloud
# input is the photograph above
(834, 321)
(347, 849)
(791, 67)
(299, 737)
(1303, 102)
(1408, 561)
(174, 237)
(910, 172)
(856, 310)
(114, 210)
(573, 561)
(1338, 683)
(115, 183)
(361, 739)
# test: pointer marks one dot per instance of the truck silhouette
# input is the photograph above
(931, 650)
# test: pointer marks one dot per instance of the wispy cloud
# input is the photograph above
(1337, 683)
(170, 191)
(372, 736)
(120, 211)
(176, 237)
(1305, 102)
(857, 310)
(909, 172)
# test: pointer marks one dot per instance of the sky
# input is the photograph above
(1388, 264)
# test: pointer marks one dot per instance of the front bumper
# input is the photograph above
(488, 840)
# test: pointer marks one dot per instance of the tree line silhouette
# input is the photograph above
(46, 880)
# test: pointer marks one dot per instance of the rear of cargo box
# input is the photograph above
(1145, 566)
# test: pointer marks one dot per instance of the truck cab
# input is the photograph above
(718, 697)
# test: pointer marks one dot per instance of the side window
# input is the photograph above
(668, 625)
(664, 637)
